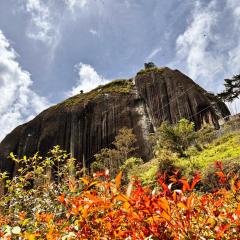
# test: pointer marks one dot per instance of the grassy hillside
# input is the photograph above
(224, 148)
(52, 197)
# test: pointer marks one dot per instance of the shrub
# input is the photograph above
(113, 158)
(206, 135)
(98, 208)
(224, 148)
(130, 165)
(231, 169)
(176, 138)
(232, 125)
(163, 163)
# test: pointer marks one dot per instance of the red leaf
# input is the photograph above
(238, 210)
(196, 179)
(61, 198)
(218, 165)
(220, 174)
(185, 185)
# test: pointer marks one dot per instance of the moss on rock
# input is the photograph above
(150, 70)
(120, 86)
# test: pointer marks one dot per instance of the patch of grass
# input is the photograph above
(233, 124)
(161, 164)
(222, 149)
(147, 172)
(117, 86)
(148, 70)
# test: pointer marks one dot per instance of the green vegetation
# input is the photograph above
(120, 86)
(51, 198)
(223, 149)
(116, 157)
(148, 70)
(149, 65)
(176, 138)
(72, 206)
(179, 148)
(176, 148)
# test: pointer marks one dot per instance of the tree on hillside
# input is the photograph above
(113, 158)
(232, 89)
(176, 138)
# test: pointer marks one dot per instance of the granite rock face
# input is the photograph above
(86, 123)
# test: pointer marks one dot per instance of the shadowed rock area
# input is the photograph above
(88, 122)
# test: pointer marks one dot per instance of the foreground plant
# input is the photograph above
(74, 207)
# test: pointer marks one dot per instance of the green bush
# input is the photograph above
(37, 183)
(113, 158)
(206, 135)
(176, 138)
(163, 163)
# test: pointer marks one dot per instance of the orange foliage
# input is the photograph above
(102, 210)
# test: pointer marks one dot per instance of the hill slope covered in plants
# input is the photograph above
(189, 190)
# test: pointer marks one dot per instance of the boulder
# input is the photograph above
(88, 122)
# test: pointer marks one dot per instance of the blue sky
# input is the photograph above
(50, 49)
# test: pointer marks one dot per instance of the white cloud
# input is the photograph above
(209, 48)
(72, 4)
(153, 53)
(88, 79)
(234, 53)
(193, 46)
(93, 32)
(42, 26)
(127, 3)
(47, 17)
(18, 102)
(235, 6)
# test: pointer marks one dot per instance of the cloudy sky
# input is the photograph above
(51, 49)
